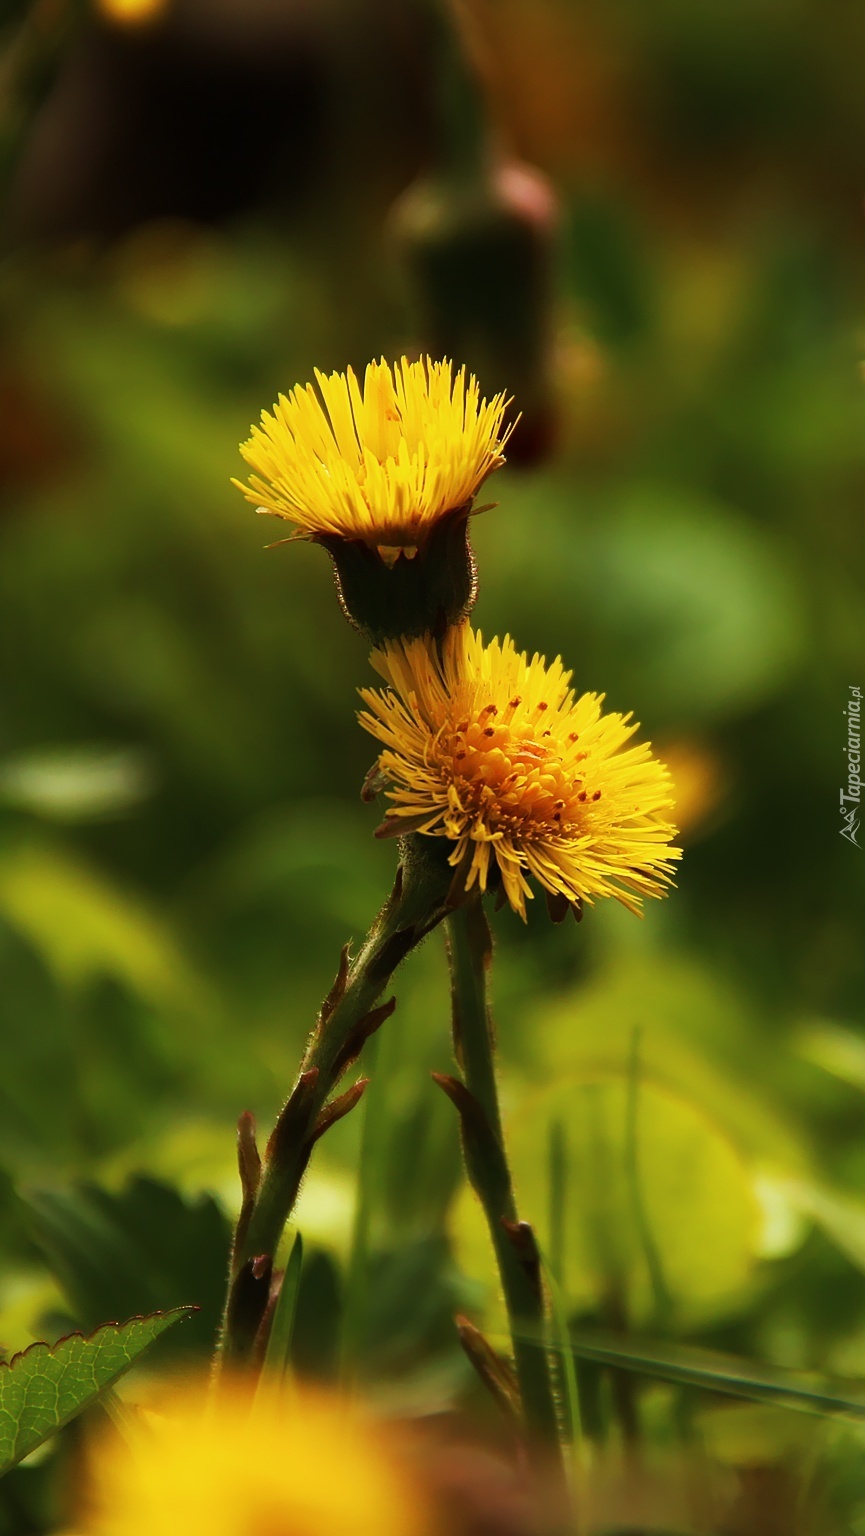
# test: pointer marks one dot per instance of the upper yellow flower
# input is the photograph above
(494, 751)
(296, 1465)
(382, 464)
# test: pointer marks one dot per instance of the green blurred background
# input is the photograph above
(204, 203)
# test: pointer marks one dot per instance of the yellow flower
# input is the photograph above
(293, 1465)
(494, 752)
(383, 464)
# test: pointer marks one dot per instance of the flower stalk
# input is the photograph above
(349, 1015)
(477, 1100)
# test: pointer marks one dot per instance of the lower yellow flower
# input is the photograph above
(282, 1466)
(494, 752)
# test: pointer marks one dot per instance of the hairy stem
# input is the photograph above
(470, 950)
(348, 1017)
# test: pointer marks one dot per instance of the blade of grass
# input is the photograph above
(119, 1414)
(357, 1271)
(661, 1297)
(719, 1373)
(554, 1271)
(558, 1170)
(559, 1341)
(277, 1360)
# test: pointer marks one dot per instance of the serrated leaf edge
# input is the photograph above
(76, 1333)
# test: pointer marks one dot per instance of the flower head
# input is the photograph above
(495, 752)
(382, 464)
(285, 1466)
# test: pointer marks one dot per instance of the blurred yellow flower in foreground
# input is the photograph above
(384, 463)
(281, 1465)
(494, 751)
(132, 13)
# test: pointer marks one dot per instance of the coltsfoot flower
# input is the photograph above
(383, 463)
(495, 753)
(295, 1465)
(384, 477)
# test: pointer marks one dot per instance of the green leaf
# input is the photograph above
(49, 1384)
(318, 1321)
(15, 1240)
(697, 1199)
(83, 925)
(698, 1035)
(139, 1250)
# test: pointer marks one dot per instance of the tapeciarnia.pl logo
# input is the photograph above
(850, 798)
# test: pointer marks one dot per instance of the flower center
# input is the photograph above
(510, 779)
